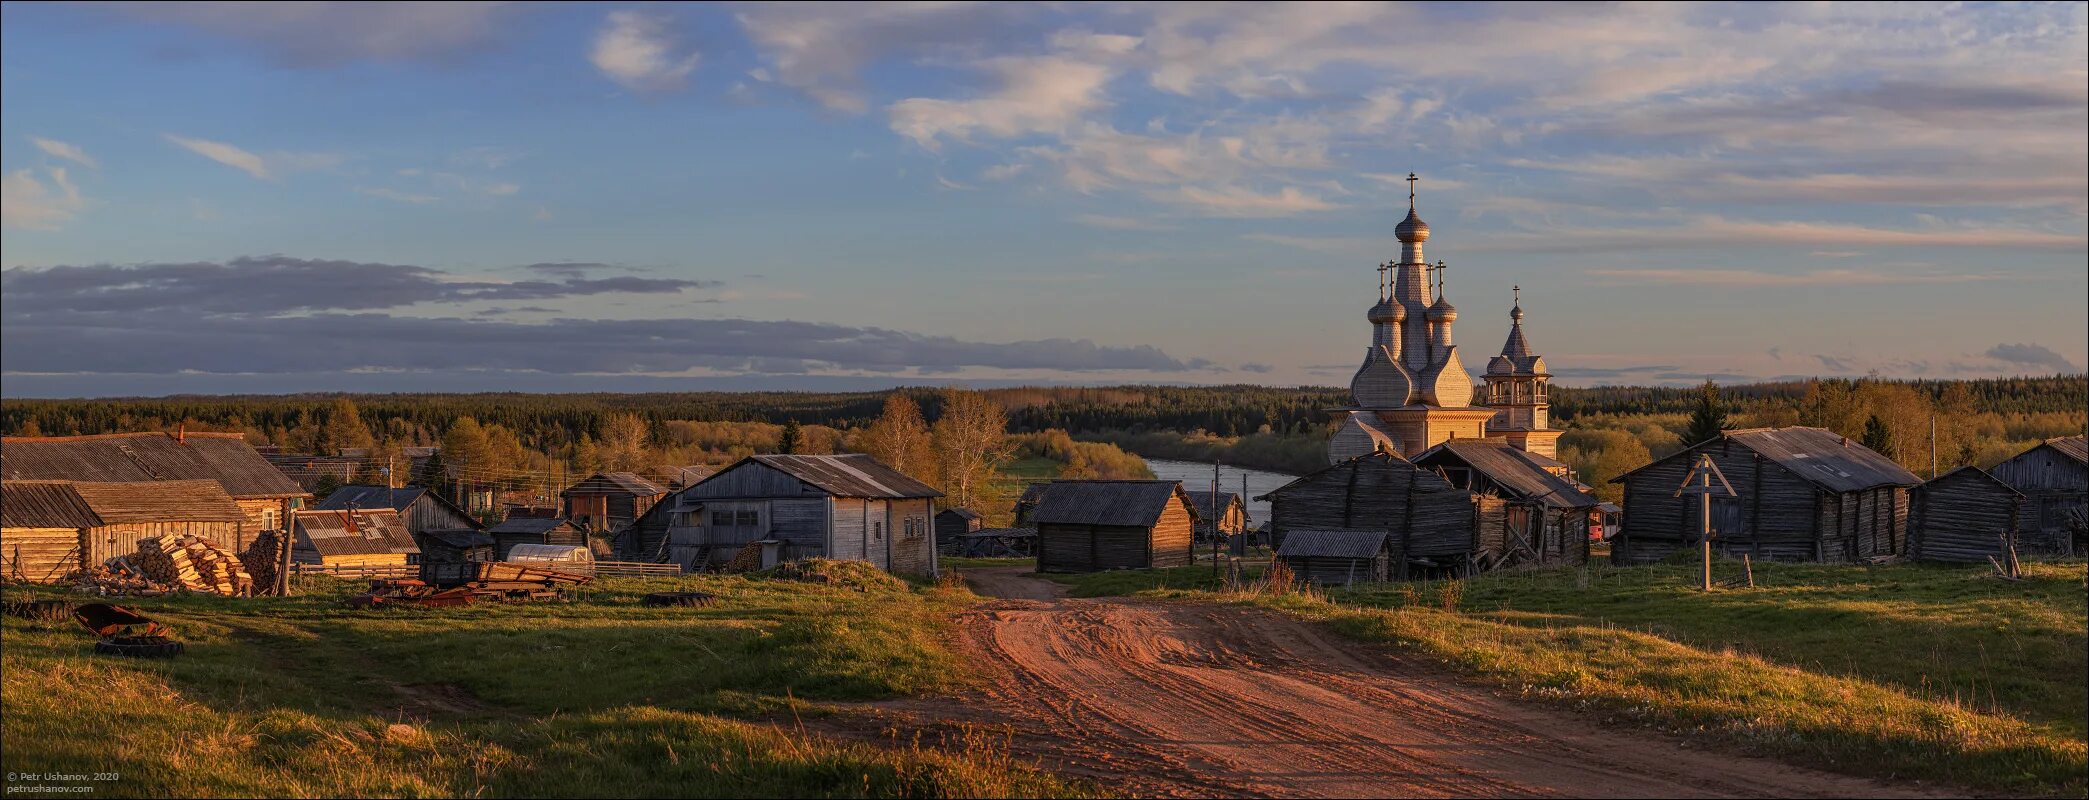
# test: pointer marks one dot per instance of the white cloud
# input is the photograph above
(640, 51)
(1237, 201)
(27, 203)
(65, 151)
(818, 48)
(1042, 94)
(225, 154)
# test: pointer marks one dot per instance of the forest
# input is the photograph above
(540, 438)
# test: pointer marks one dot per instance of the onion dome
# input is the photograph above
(1387, 312)
(1443, 311)
(1412, 229)
(1516, 314)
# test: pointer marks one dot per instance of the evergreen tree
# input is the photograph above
(787, 444)
(1877, 437)
(1709, 418)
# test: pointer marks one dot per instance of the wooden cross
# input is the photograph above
(1410, 190)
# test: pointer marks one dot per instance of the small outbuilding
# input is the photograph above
(2054, 478)
(1963, 515)
(1432, 527)
(1090, 526)
(1336, 558)
(1551, 518)
(608, 501)
(374, 537)
(807, 506)
(514, 531)
(1227, 512)
(954, 523)
(456, 546)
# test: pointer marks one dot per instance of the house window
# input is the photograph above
(877, 531)
(748, 517)
(271, 519)
(722, 518)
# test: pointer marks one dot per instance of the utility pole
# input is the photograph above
(1214, 521)
(1932, 447)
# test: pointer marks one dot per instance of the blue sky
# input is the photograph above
(271, 197)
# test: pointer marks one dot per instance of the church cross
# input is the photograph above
(1410, 190)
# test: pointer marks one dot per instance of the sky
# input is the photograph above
(273, 197)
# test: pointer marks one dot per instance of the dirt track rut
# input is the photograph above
(1154, 698)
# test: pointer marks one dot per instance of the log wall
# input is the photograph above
(1963, 516)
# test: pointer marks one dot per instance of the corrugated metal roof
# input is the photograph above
(617, 482)
(2071, 446)
(350, 533)
(1332, 544)
(43, 504)
(852, 475)
(134, 457)
(1514, 470)
(1821, 456)
(1126, 503)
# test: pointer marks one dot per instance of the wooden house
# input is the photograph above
(1090, 526)
(1801, 494)
(1962, 515)
(1336, 558)
(371, 537)
(1432, 527)
(608, 501)
(1228, 512)
(50, 528)
(804, 506)
(1550, 517)
(954, 523)
(423, 509)
(2054, 478)
(534, 530)
(261, 491)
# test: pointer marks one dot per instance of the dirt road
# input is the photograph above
(1173, 699)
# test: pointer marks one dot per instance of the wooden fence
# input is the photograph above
(600, 569)
(358, 570)
(635, 569)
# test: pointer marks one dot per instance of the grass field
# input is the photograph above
(1911, 671)
(303, 697)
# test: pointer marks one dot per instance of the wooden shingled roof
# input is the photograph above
(1128, 503)
(2073, 447)
(1818, 455)
(1513, 469)
(150, 456)
(65, 504)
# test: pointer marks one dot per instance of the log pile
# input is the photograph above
(117, 578)
(264, 558)
(194, 563)
(748, 559)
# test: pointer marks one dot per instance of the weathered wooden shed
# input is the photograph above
(1962, 515)
(1801, 494)
(534, 530)
(2054, 478)
(1090, 526)
(608, 501)
(1026, 503)
(261, 491)
(954, 523)
(1228, 511)
(1432, 526)
(1336, 558)
(456, 546)
(1550, 518)
(375, 537)
(424, 510)
(813, 506)
(50, 528)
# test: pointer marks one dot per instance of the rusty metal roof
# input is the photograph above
(151, 456)
(1520, 472)
(853, 475)
(1126, 503)
(1336, 543)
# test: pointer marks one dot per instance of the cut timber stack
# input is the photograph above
(263, 559)
(117, 578)
(194, 563)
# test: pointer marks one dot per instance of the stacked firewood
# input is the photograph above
(196, 564)
(748, 559)
(117, 577)
(263, 559)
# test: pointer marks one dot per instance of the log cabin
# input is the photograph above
(609, 501)
(370, 537)
(1091, 526)
(1551, 517)
(50, 528)
(1228, 509)
(456, 546)
(1963, 515)
(2054, 478)
(803, 506)
(1801, 494)
(260, 490)
(423, 509)
(1432, 527)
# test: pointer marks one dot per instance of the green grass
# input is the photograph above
(1907, 671)
(1032, 468)
(303, 697)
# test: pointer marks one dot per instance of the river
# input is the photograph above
(1197, 477)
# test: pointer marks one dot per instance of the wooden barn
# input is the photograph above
(954, 523)
(423, 509)
(50, 528)
(533, 530)
(456, 546)
(1801, 494)
(1336, 558)
(1550, 517)
(1432, 527)
(608, 501)
(1962, 515)
(1090, 526)
(2054, 478)
(805, 506)
(375, 537)
(261, 491)
(1229, 510)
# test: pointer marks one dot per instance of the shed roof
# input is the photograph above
(398, 499)
(1335, 543)
(965, 513)
(1820, 456)
(1513, 469)
(851, 475)
(2071, 446)
(376, 531)
(44, 504)
(65, 504)
(1968, 473)
(150, 456)
(527, 525)
(1130, 503)
(616, 482)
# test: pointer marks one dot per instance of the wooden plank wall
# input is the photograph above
(1427, 514)
(110, 541)
(40, 555)
(1065, 548)
(912, 555)
(1323, 571)
(1962, 517)
(1171, 537)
